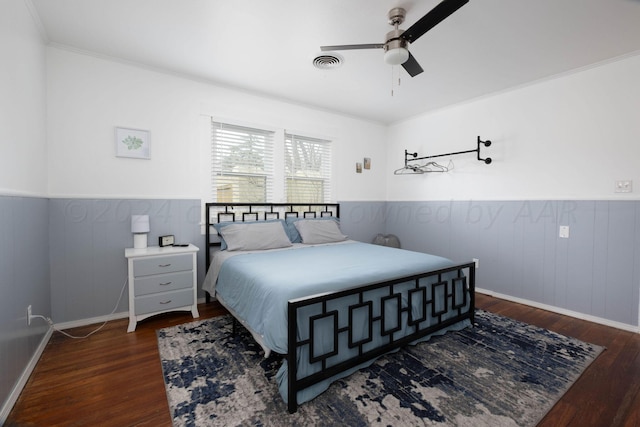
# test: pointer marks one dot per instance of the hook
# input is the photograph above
(486, 143)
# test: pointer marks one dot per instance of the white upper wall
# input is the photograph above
(570, 137)
(23, 149)
(89, 96)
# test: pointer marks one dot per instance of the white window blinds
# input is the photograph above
(307, 169)
(242, 163)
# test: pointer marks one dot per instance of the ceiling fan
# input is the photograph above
(398, 40)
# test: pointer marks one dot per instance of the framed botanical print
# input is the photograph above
(134, 143)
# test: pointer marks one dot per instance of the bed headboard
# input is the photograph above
(238, 212)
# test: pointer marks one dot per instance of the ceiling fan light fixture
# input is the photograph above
(396, 56)
(395, 49)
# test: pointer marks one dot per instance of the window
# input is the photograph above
(242, 166)
(242, 163)
(307, 169)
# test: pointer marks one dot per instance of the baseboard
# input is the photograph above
(565, 312)
(91, 320)
(24, 377)
(99, 319)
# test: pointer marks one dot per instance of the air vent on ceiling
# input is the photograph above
(327, 61)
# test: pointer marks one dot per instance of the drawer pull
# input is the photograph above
(164, 265)
(165, 284)
(165, 302)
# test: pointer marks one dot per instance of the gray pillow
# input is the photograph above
(314, 232)
(255, 236)
(220, 225)
(292, 231)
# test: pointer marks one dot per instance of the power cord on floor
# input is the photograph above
(50, 322)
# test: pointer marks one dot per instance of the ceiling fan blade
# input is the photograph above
(352, 46)
(411, 66)
(432, 18)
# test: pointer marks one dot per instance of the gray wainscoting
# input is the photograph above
(596, 271)
(88, 238)
(362, 221)
(24, 280)
(65, 257)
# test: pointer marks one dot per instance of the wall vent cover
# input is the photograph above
(327, 61)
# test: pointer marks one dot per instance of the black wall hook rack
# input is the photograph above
(487, 161)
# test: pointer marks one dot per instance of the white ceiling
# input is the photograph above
(267, 47)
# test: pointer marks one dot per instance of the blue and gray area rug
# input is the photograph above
(499, 373)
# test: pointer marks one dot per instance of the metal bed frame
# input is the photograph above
(441, 298)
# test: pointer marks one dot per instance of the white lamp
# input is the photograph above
(139, 228)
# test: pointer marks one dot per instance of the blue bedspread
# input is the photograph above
(257, 286)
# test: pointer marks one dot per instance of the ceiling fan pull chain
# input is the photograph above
(399, 76)
(392, 79)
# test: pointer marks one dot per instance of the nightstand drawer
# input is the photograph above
(163, 264)
(163, 301)
(163, 283)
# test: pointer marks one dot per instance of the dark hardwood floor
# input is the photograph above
(114, 378)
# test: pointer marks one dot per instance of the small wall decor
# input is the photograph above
(359, 167)
(367, 163)
(135, 143)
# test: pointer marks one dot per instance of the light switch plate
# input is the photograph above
(564, 231)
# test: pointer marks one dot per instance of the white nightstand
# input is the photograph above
(161, 280)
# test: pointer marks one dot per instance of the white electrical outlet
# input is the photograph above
(477, 261)
(29, 315)
(624, 186)
(564, 231)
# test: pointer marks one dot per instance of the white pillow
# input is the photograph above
(314, 232)
(255, 236)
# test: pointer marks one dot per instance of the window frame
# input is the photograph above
(314, 169)
(228, 140)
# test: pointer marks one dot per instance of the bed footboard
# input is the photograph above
(372, 320)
